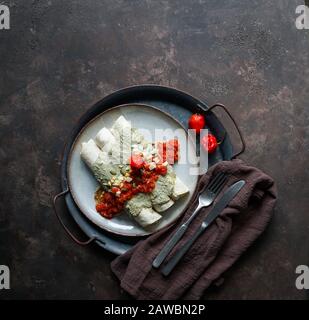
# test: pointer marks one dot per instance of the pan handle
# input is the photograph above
(81, 243)
(243, 148)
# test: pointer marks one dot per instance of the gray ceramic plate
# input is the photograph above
(83, 185)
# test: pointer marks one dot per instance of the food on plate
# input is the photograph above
(137, 203)
(120, 125)
(90, 152)
(164, 206)
(147, 217)
(197, 122)
(164, 188)
(168, 151)
(106, 172)
(123, 130)
(209, 143)
(136, 161)
(122, 186)
(125, 137)
(135, 175)
(179, 190)
(105, 140)
(140, 207)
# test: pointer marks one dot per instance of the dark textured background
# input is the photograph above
(62, 56)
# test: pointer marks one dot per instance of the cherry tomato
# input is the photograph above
(197, 122)
(209, 143)
(136, 161)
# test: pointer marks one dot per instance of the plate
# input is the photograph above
(83, 185)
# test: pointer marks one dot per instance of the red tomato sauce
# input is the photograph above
(110, 203)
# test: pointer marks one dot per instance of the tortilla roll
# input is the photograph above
(147, 217)
(120, 125)
(123, 131)
(139, 207)
(104, 158)
(163, 207)
(163, 189)
(105, 140)
(121, 149)
(180, 189)
(90, 152)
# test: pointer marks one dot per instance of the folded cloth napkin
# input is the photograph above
(240, 223)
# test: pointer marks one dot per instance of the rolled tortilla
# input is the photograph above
(164, 188)
(121, 150)
(90, 152)
(120, 125)
(136, 136)
(163, 207)
(139, 207)
(104, 158)
(147, 217)
(180, 189)
(123, 127)
(105, 140)
(137, 203)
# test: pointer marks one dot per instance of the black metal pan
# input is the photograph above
(179, 105)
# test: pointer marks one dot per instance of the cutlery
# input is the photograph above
(213, 214)
(206, 198)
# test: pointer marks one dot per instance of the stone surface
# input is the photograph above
(60, 57)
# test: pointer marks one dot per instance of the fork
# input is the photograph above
(206, 198)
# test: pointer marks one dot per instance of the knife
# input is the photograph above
(228, 195)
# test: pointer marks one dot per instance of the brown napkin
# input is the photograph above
(214, 251)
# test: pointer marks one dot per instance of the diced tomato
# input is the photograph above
(127, 186)
(115, 189)
(168, 151)
(107, 197)
(136, 161)
(100, 207)
(143, 180)
(152, 185)
(162, 170)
